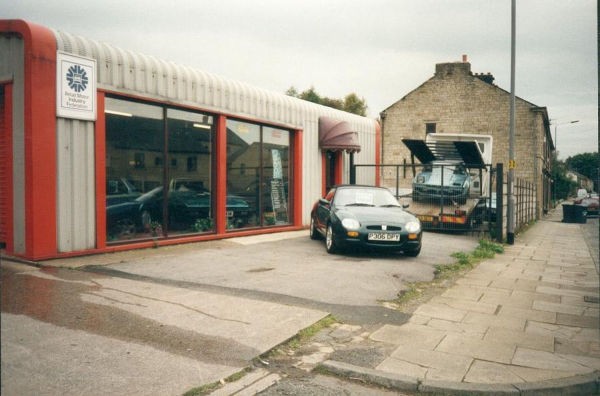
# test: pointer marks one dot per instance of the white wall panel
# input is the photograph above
(76, 197)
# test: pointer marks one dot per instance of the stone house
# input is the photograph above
(581, 180)
(455, 100)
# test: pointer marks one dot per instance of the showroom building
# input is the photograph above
(103, 149)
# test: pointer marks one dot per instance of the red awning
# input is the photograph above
(337, 135)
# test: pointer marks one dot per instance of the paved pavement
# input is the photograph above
(518, 323)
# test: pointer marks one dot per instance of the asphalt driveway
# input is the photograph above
(296, 270)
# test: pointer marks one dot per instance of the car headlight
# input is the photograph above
(350, 224)
(412, 226)
(421, 179)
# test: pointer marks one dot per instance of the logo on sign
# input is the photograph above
(77, 78)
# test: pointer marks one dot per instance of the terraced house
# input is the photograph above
(455, 100)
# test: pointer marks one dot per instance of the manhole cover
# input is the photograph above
(590, 299)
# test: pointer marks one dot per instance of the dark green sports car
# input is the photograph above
(364, 217)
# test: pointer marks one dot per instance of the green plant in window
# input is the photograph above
(155, 228)
(253, 221)
(269, 218)
(230, 224)
(203, 224)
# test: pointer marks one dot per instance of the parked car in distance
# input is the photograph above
(592, 206)
(582, 193)
(364, 217)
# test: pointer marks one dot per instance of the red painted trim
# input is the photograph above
(100, 162)
(297, 178)
(323, 174)
(339, 168)
(221, 173)
(40, 136)
(8, 125)
(377, 153)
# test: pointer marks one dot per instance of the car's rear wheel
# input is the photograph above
(314, 234)
(413, 253)
(330, 243)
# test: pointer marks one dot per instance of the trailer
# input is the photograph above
(451, 190)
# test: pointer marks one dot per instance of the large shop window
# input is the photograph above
(257, 175)
(158, 171)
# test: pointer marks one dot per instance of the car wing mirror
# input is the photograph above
(324, 202)
(404, 204)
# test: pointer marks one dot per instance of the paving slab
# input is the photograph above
(507, 322)
(530, 314)
(548, 361)
(434, 359)
(409, 334)
(441, 311)
(519, 338)
(460, 345)
(578, 321)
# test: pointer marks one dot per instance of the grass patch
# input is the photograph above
(209, 388)
(464, 261)
(302, 337)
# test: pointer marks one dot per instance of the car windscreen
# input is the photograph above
(364, 197)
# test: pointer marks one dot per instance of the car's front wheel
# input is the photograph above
(330, 243)
(413, 253)
(314, 234)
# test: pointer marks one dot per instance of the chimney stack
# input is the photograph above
(464, 58)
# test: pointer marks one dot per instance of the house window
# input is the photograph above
(429, 128)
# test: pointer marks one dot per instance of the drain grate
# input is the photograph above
(590, 299)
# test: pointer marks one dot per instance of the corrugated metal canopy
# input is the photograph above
(337, 135)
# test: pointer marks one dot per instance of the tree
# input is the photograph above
(562, 184)
(586, 164)
(351, 103)
(354, 104)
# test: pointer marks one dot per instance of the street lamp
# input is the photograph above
(556, 149)
(556, 127)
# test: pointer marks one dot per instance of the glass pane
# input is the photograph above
(275, 159)
(190, 172)
(243, 174)
(134, 170)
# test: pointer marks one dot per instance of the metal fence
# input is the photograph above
(525, 202)
(448, 197)
(439, 197)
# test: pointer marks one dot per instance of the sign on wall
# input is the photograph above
(75, 87)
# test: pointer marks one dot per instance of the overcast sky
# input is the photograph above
(379, 49)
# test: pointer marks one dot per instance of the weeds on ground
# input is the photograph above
(464, 261)
(208, 388)
(298, 340)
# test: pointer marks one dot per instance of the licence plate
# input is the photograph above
(380, 236)
(425, 218)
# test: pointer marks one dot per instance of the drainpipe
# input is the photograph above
(382, 116)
